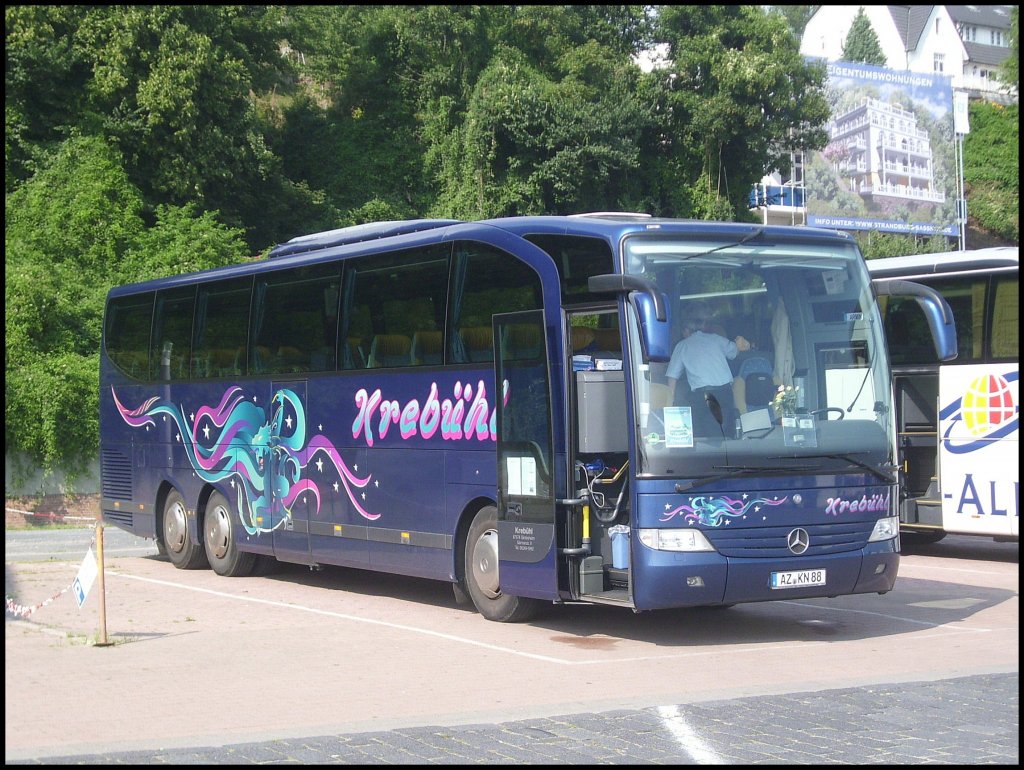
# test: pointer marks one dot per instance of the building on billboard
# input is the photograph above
(890, 162)
(878, 149)
(953, 49)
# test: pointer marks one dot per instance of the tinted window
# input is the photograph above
(126, 335)
(1006, 318)
(221, 328)
(395, 309)
(172, 335)
(577, 258)
(295, 320)
(907, 329)
(487, 282)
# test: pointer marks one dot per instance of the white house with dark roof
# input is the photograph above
(967, 42)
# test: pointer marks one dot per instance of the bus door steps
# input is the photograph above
(618, 578)
(615, 596)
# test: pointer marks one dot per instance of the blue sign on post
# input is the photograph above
(86, 575)
(79, 592)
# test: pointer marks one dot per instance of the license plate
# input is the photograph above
(798, 579)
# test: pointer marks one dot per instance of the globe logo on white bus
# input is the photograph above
(986, 411)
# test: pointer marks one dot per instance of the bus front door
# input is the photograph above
(288, 436)
(526, 484)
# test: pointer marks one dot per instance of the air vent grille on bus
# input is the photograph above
(123, 519)
(770, 542)
(116, 474)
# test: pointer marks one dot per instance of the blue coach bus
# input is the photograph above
(487, 403)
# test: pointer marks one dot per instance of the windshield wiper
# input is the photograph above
(748, 237)
(732, 471)
(873, 469)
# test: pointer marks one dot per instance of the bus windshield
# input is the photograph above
(799, 382)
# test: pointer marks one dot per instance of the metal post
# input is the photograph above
(103, 589)
(962, 200)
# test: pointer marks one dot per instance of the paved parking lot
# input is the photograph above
(379, 669)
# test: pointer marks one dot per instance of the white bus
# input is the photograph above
(958, 420)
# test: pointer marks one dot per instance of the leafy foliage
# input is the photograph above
(740, 96)
(1010, 71)
(878, 245)
(992, 169)
(143, 141)
(72, 232)
(796, 16)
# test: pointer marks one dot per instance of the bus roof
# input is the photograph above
(396, 234)
(995, 258)
(604, 223)
(356, 234)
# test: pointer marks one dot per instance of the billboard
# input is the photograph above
(890, 163)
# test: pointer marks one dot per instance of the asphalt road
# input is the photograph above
(345, 667)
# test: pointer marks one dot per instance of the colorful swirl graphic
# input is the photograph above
(714, 511)
(266, 457)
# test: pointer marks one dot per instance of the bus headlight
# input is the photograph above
(885, 529)
(675, 540)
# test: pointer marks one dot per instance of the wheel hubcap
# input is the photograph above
(175, 528)
(218, 531)
(485, 564)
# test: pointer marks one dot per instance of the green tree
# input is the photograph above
(414, 94)
(737, 98)
(861, 44)
(72, 232)
(876, 245)
(992, 170)
(171, 86)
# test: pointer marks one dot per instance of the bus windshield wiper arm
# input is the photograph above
(732, 471)
(748, 237)
(873, 469)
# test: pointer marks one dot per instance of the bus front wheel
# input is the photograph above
(219, 539)
(183, 553)
(481, 571)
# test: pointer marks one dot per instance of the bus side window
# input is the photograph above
(294, 321)
(428, 348)
(390, 300)
(1006, 319)
(491, 282)
(478, 342)
(172, 333)
(389, 350)
(127, 334)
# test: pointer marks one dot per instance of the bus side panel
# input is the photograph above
(979, 449)
(129, 463)
(470, 478)
(407, 495)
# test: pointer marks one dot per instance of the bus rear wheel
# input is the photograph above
(481, 572)
(219, 539)
(183, 553)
